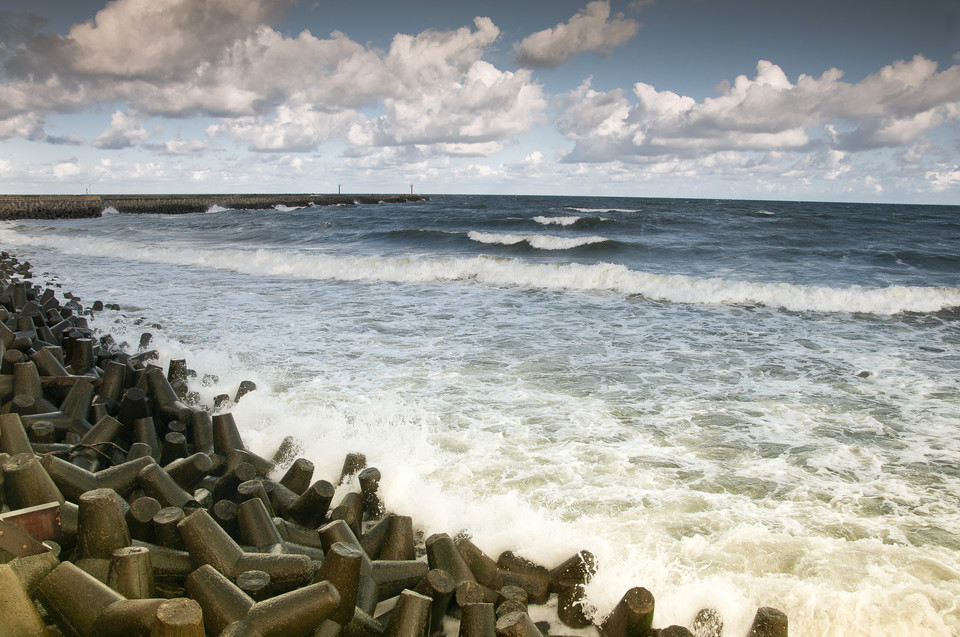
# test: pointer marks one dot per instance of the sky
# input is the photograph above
(840, 100)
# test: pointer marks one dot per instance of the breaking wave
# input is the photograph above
(602, 210)
(536, 241)
(569, 221)
(600, 277)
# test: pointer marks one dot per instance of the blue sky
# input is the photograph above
(848, 100)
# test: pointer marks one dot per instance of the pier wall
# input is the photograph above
(82, 206)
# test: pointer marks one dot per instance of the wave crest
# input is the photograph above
(600, 277)
(601, 210)
(536, 241)
(569, 221)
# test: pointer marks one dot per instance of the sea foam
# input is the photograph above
(557, 221)
(536, 241)
(600, 210)
(599, 277)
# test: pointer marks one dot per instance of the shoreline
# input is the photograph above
(158, 497)
(90, 206)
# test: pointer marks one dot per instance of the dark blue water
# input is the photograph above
(818, 244)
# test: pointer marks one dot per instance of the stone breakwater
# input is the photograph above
(82, 206)
(129, 508)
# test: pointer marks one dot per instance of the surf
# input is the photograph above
(493, 271)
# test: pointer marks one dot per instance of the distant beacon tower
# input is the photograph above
(411, 189)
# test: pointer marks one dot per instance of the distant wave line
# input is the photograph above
(537, 241)
(568, 221)
(600, 210)
(515, 272)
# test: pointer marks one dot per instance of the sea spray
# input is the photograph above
(729, 454)
(690, 565)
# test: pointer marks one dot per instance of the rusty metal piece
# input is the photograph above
(23, 531)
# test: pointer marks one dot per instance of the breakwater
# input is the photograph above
(83, 206)
(158, 520)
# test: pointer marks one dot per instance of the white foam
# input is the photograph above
(602, 277)
(537, 241)
(550, 423)
(217, 208)
(109, 211)
(557, 221)
(282, 208)
(600, 210)
(454, 464)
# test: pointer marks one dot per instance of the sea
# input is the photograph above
(734, 404)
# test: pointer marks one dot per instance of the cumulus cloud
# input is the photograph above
(476, 113)
(125, 130)
(768, 112)
(67, 169)
(943, 178)
(296, 127)
(273, 92)
(591, 29)
(181, 147)
(156, 39)
(28, 125)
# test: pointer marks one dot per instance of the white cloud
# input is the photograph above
(467, 149)
(434, 57)
(160, 38)
(590, 30)
(28, 125)
(67, 170)
(297, 126)
(182, 147)
(892, 107)
(432, 99)
(943, 178)
(125, 130)
(485, 106)
(273, 92)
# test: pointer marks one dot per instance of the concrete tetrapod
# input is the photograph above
(477, 620)
(410, 617)
(83, 606)
(74, 481)
(229, 611)
(438, 586)
(341, 567)
(18, 613)
(517, 624)
(632, 616)
(338, 531)
(208, 543)
(768, 622)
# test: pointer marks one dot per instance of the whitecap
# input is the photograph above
(557, 221)
(599, 210)
(599, 277)
(536, 241)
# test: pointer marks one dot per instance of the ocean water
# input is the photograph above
(734, 404)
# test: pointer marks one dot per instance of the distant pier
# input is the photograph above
(81, 206)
